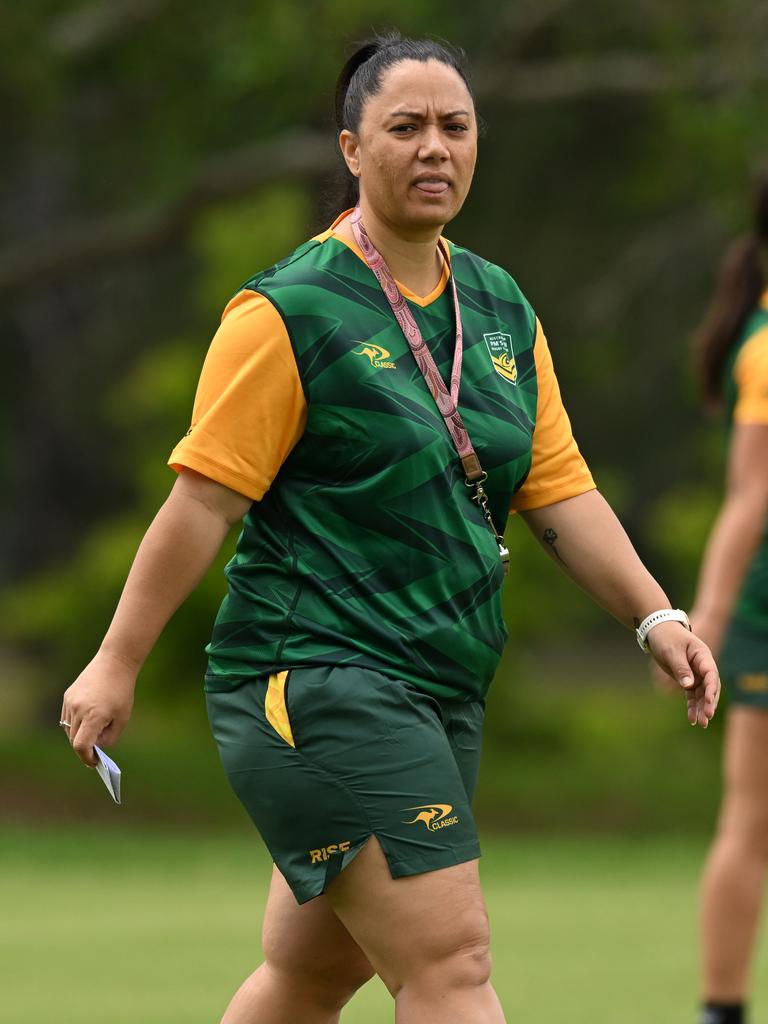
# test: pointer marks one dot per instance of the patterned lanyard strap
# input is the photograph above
(446, 401)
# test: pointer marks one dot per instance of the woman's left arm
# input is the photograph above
(586, 540)
(736, 534)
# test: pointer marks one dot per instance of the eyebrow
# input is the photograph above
(416, 116)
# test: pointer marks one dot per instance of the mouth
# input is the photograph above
(432, 186)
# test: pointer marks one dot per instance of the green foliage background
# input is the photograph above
(156, 154)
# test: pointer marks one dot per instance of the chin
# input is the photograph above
(428, 214)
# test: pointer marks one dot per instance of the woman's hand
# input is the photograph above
(176, 552)
(710, 628)
(593, 549)
(97, 706)
(683, 657)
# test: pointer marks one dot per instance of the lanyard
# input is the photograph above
(446, 401)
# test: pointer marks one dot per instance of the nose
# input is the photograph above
(433, 145)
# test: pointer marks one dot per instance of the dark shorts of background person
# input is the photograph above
(323, 758)
(744, 665)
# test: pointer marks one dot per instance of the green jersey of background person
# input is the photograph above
(744, 659)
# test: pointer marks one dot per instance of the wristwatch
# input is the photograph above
(664, 615)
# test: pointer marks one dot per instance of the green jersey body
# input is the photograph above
(752, 606)
(744, 661)
(367, 550)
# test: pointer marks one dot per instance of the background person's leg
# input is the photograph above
(312, 966)
(426, 935)
(732, 884)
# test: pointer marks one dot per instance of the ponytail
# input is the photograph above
(741, 281)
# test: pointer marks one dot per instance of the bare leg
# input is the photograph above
(312, 966)
(732, 885)
(426, 935)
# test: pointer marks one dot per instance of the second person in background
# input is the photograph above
(731, 613)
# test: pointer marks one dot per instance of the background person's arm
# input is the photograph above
(586, 540)
(176, 552)
(736, 533)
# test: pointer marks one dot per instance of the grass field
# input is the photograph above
(122, 928)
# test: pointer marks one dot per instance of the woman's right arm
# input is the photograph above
(736, 533)
(176, 552)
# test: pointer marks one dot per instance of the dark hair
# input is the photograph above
(360, 78)
(740, 283)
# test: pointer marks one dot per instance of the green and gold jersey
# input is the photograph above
(746, 396)
(362, 546)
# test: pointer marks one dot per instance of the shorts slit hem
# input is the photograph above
(398, 867)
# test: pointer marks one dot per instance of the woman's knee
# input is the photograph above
(744, 822)
(469, 965)
(455, 959)
(309, 949)
(750, 836)
(329, 976)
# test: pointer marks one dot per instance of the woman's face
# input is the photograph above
(415, 151)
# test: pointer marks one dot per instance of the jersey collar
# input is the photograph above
(420, 300)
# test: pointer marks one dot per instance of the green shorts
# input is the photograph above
(744, 665)
(325, 757)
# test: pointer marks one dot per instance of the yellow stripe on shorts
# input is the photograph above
(753, 682)
(275, 707)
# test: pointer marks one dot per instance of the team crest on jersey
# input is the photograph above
(502, 356)
(378, 356)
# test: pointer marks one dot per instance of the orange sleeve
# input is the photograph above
(751, 375)
(558, 470)
(250, 408)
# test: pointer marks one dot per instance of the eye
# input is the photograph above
(403, 129)
(457, 129)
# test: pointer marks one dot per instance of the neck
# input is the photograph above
(413, 258)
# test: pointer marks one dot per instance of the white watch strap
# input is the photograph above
(663, 615)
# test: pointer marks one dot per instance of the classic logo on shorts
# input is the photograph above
(434, 816)
(502, 356)
(378, 356)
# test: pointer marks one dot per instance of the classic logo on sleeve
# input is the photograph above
(378, 356)
(502, 356)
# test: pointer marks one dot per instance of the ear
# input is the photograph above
(349, 144)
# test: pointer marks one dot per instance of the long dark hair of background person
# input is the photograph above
(741, 282)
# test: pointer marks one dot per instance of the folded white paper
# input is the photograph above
(109, 774)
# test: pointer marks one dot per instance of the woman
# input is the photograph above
(731, 612)
(350, 659)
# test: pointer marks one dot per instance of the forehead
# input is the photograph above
(420, 85)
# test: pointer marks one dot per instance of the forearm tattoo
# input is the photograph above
(550, 537)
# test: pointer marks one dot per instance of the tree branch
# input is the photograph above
(80, 32)
(294, 156)
(618, 74)
(648, 256)
(298, 156)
